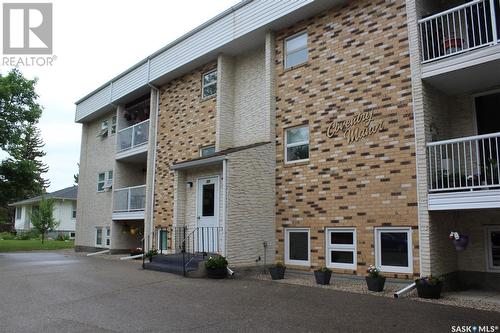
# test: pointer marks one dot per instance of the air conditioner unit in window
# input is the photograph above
(108, 185)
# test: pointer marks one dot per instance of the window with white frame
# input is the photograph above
(297, 247)
(493, 247)
(393, 250)
(296, 49)
(73, 210)
(207, 151)
(104, 129)
(101, 181)
(209, 84)
(108, 236)
(297, 144)
(104, 180)
(98, 236)
(18, 213)
(72, 235)
(341, 248)
(113, 125)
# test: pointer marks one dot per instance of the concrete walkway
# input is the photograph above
(54, 292)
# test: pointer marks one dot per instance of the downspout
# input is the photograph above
(224, 205)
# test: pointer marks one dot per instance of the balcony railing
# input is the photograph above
(460, 29)
(133, 136)
(130, 199)
(464, 164)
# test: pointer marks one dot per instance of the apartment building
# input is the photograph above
(323, 133)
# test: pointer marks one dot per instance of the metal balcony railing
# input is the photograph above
(460, 29)
(129, 199)
(464, 164)
(133, 136)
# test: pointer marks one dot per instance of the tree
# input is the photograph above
(76, 175)
(21, 171)
(18, 108)
(42, 219)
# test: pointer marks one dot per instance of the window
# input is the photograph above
(296, 50)
(98, 236)
(101, 181)
(113, 125)
(493, 247)
(209, 84)
(18, 213)
(297, 247)
(72, 235)
(206, 151)
(297, 144)
(104, 180)
(104, 129)
(393, 250)
(341, 248)
(73, 210)
(108, 236)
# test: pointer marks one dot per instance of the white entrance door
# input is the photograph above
(208, 214)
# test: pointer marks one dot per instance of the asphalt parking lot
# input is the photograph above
(60, 292)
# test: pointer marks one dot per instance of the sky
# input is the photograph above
(93, 41)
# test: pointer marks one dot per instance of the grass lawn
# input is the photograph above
(32, 245)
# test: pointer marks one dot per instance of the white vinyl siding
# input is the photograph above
(296, 50)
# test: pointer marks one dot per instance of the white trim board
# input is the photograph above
(464, 200)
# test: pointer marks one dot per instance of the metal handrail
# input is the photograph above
(198, 245)
(132, 136)
(128, 190)
(466, 138)
(448, 11)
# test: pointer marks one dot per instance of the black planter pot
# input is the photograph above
(323, 277)
(277, 273)
(375, 283)
(429, 291)
(217, 273)
(461, 244)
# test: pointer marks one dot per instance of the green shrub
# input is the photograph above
(62, 237)
(7, 236)
(216, 262)
(27, 235)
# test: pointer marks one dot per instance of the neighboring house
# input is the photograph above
(321, 133)
(64, 211)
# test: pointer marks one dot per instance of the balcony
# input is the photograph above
(459, 47)
(132, 141)
(129, 203)
(464, 173)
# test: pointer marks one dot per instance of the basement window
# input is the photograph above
(341, 248)
(209, 84)
(297, 247)
(393, 250)
(296, 49)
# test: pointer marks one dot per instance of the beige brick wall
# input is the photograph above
(93, 208)
(251, 206)
(358, 61)
(185, 124)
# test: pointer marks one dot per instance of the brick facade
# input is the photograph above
(186, 122)
(358, 62)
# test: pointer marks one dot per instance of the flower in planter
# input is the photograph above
(373, 271)
(216, 262)
(323, 270)
(430, 280)
(460, 241)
